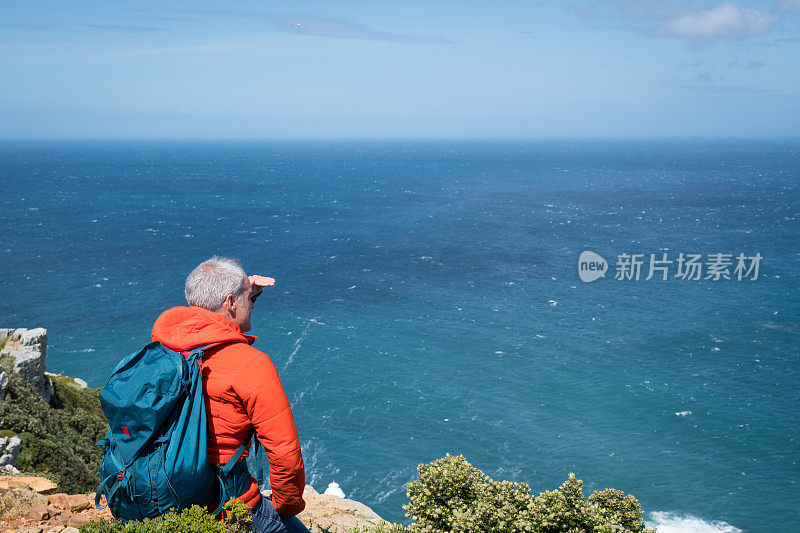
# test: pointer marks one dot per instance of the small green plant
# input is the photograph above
(195, 519)
(451, 495)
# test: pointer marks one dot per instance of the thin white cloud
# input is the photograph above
(749, 65)
(81, 27)
(337, 28)
(124, 29)
(679, 19)
(706, 89)
(27, 26)
(779, 42)
(160, 51)
(725, 21)
(791, 5)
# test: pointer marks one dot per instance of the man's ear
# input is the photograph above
(230, 303)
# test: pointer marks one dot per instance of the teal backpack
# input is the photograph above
(155, 458)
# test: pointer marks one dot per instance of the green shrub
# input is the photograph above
(554, 511)
(7, 362)
(4, 339)
(195, 519)
(612, 511)
(443, 496)
(59, 441)
(451, 495)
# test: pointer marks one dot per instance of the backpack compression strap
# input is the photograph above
(118, 478)
(224, 472)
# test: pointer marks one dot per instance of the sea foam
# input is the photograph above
(666, 522)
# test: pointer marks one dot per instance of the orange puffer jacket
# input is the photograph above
(243, 392)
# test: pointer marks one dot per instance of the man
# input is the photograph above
(242, 390)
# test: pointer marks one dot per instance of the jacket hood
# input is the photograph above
(186, 328)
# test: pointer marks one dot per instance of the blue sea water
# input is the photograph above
(428, 302)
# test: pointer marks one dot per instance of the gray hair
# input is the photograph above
(212, 281)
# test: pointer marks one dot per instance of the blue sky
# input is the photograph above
(305, 69)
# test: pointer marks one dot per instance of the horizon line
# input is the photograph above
(416, 138)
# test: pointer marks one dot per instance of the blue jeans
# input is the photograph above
(267, 520)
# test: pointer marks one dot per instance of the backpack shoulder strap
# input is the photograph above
(200, 351)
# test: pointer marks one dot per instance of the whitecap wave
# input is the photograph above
(297, 345)
(299, 342)
(666, 522)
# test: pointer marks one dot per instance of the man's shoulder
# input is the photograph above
(247, 369)
(244, 352)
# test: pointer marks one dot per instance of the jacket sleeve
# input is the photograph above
(268, 409)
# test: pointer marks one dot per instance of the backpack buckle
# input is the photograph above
(121, 474)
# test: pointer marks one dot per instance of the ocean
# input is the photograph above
(428, 301)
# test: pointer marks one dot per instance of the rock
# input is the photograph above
(9, 469)
(60, 518)
(59, 500)
(33, 337)
(9, 450)
(41, 485)
(308, 490)
(78, 502)
(70, 502)
(77, 382)
(28, 347)
(70, 530)
(39, 513)
(50, 518)
(3, 383)
(77, 520)
(29, 364)
(19, 501)
(334, 490)
(325, 513)
(103, 503)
